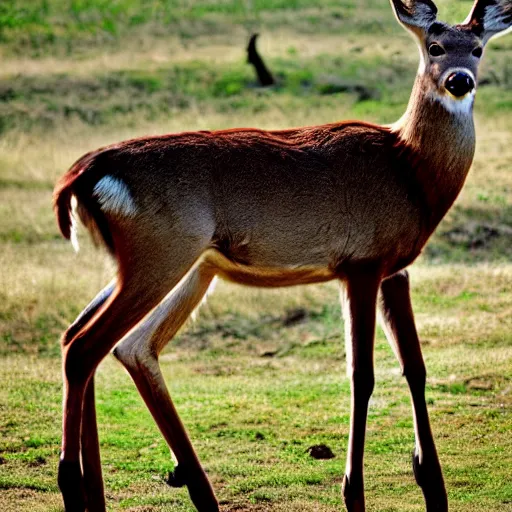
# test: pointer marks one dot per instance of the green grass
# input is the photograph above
(62, 25)
(252, 417)
(78, 27)
(35, 101)
(254, 389)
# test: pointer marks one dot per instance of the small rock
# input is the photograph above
(320, 451)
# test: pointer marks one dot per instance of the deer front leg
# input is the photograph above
(398, 323)
(138, 353)
(359, 305)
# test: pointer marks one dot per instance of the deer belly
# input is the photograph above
(257, 274)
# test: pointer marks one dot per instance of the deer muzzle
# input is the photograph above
(459, 84)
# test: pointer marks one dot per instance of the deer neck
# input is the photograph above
(437, 136)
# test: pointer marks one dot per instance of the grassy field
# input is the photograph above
(259, 377)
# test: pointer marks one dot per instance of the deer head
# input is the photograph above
(450, 55)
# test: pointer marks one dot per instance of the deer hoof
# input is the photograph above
(178, 477)
(430, 478)
(353, 494)
(199, 488)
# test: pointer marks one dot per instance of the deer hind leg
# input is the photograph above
(90, 451)
(137, 292)
(398, 323)
(359, 310)
(139, 352)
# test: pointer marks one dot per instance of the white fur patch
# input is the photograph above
(454, 105)
(74, 237)
(347, 324)
(423, 63)
(114, 196)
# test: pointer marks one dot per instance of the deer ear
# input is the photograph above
(490, 18)
(415, 15)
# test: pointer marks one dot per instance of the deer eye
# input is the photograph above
(435, 50)
(477, 52)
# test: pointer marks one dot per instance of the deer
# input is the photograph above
(349, 201)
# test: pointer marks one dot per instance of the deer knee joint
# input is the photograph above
(125, 356)
(416, 376)
(76, 368)
(134, 357)
(363, 383)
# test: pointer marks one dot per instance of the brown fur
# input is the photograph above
(321, 197)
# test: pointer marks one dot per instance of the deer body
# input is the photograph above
(350, 201)
(307, 201)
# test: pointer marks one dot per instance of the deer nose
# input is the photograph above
(459, 84)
